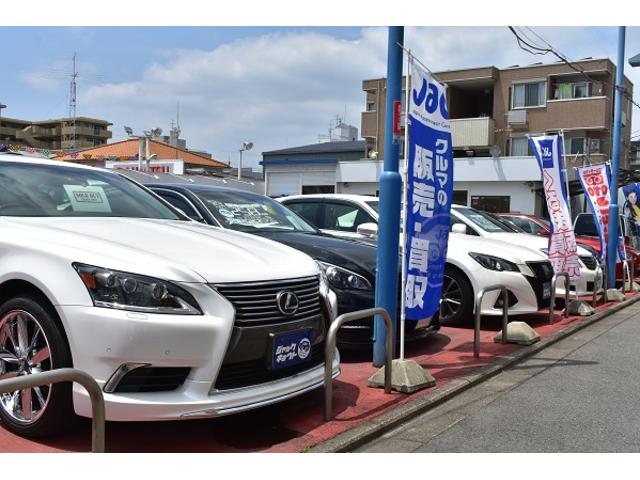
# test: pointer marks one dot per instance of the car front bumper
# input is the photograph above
(102, 340)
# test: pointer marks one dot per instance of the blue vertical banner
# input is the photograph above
(563, 250)
(429, 193)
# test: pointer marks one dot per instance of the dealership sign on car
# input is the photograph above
(429, 192)
(563, 251)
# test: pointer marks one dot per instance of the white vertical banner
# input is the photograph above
(563, 251)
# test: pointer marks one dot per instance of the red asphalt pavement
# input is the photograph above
(297, 424)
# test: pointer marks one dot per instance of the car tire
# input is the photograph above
(456, 305)
(39, 411)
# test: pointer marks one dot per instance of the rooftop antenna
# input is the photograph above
(73, 103)
(178, 118)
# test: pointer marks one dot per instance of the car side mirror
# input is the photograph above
(459, 228)
(369, 229)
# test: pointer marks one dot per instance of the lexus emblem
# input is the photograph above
(288, 302)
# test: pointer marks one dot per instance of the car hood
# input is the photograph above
(528, 240)
(357, 256)
(460, 245)
(169, 249)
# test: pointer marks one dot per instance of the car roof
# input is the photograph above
(26, 159)
(192, 187)
(338, 196)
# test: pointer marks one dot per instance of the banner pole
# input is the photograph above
(403, 234)
(566, 174)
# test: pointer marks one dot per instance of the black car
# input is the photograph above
(350, 265)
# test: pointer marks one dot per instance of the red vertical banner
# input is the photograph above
(397, 112)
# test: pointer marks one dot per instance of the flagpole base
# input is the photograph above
(520, 333)
(615, 295)
(580, 308)
(407, 376)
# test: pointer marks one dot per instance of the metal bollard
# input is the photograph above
(626, 276)
(505, 315)
(330, 348)
(552, 300)
(594, 300)
(67, 375)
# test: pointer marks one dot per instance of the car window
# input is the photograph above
(45, 190)
(470, 231)
(523, 223)
(250, 212)
(373, 204)
(179, 202)
(344, 217)
(307, 210)
(585, 226)
(482, 220)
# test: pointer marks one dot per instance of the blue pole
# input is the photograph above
(390, 193)
(612, 246)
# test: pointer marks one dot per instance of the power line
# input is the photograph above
(558, 54)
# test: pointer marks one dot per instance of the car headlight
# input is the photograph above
(342, 278)
(324, 282)
(494, 263)
(126, 291)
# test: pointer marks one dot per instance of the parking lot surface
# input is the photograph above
(297, 425)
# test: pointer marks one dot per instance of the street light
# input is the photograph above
(147, 135)
(245, 146)
(635, 61)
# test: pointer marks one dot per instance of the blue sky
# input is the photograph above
(275, 86)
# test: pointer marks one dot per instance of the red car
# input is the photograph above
(586, 234)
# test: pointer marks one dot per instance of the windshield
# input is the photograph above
(507, 223)
(35, 190)
(249, 212)
(483, 220)
(373, 204)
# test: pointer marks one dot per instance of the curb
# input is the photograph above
(353, 438)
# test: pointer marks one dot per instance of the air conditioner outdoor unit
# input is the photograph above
(517, 116)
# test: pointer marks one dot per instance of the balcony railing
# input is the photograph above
(472, 132)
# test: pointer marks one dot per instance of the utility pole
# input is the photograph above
(72, 103)
(390, 192)
(2, 105)
(612, 245)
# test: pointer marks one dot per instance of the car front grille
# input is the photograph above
(543, 274)
(255, 372)
(255, 302)
(589, 261)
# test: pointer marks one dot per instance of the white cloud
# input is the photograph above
(282, 89)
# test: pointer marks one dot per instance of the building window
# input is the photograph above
(491, 203)
(520, 147)
(570, 90)
(460, 197)
(311, 189)
(371, 106)
(574, 146)
(529, 94)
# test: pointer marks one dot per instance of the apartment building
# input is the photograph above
(55, 134)
(493, 110)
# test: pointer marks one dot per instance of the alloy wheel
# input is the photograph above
(451, 299)
(24, 349)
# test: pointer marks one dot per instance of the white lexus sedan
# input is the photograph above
(174, 319)
(472, 263)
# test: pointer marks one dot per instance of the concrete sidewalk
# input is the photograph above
(578, 395)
